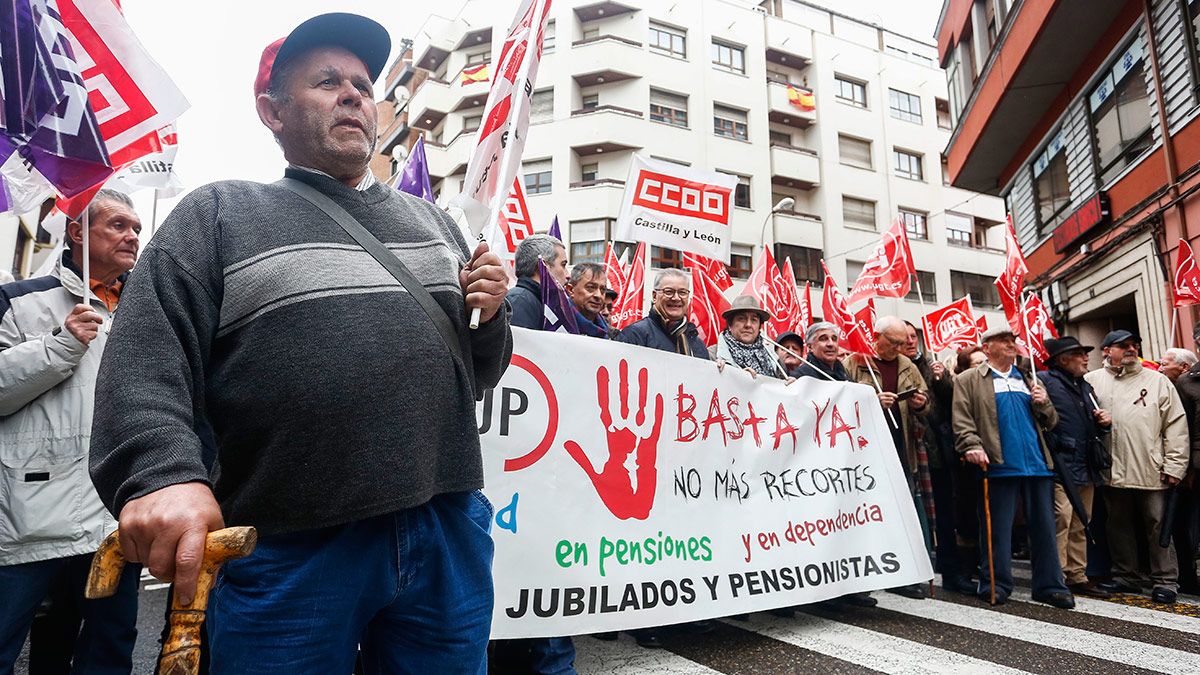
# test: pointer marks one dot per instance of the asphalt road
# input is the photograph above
(949, 634)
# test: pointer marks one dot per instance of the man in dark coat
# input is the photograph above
(666, 327)
(1074, 443)
(526, 297)
(1187, 518)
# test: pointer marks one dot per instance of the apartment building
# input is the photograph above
(1081, 115)
(705, 83)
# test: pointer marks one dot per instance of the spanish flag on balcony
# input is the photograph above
(801, 98)
(477, 73)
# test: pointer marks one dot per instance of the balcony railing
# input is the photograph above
(601, 38)
(602, 108)
(789, 146)
(599, 181)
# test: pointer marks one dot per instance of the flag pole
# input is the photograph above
(879, 388)
(1174, 319)
(779, 346)
(1028, 342)
(87, 259)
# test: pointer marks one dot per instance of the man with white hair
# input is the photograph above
(1176, 362)
(526, 297)
(666, 326)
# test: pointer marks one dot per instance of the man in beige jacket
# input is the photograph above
(1149, 445)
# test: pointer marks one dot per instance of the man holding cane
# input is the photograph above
(999, 418)
(275, 313)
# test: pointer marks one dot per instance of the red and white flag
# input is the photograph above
(514, 223)
(501, 140)
(1036, 322)
(804, 304)
(707, 306)
(1187, 276)
(776, 294)
(1011, 281)
(712, 268)
(631, 306)
(613, 271)
(952, 326)
(888, 271)
(833, 306)
(866, 317)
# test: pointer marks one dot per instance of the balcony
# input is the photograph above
(601, 10)
(801, 229)
(618, 55)
(452, 158)
(433, 43)
(596, 198)
(788, 44)
(605, 129)
(430, 103)
(794, 167)
(781, 110)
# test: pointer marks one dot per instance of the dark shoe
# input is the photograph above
(1090, 590)
(858, 600)
(959, 584)
(607, 637)
(1058, 599)
(647, 638)
(914, 591)
(986, 597)
(1118, 587)
(783, 612)
(1163, 596)
(1020, 553)
(701, 627)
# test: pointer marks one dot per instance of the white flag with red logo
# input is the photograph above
(613, 270)
(805, 303)
(1011, 281)
(1187, 276)
(713, 269)
(501, 138)
(707, 306)
(1037, 324)
(952, 326)
(677, 207)
(833, 306)
(514, 223)
(631, 306)
(888, 271)
(155, 170)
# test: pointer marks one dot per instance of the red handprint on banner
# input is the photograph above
(627, 494)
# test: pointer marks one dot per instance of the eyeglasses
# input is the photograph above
(674, 292)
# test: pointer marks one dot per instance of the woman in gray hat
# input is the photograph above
(742, 343)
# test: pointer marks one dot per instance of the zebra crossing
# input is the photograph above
(948, 634)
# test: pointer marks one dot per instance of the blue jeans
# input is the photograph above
(105, 641)
(1038, 499)
(540, 656)
(411, 589)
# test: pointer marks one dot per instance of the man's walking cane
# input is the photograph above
(987, 518)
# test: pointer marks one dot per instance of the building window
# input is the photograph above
(471, 123)
(548, 37)
(728, 57)
(537, 177)
(915, 223)
(741, 192)
(1120, 106)
(541, 106)
(860, 212)
(778, 76)
(669, 108)
(855, 152)
(945, 171)
(960, 230)
(588, 239)
(740, 265)
(1052, 190)
(591, 101)
(806, 262)
(943, 113)
(904, 106)
(591, 32)
(928, 287)
(663, 258)
(587, 251)
(668, 40)
(907, 164)
(729, 122)
(979, 286)
(588, 172)
(780, 138)
(850, 91)
(478, 57)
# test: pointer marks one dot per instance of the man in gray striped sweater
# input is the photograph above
(345, 424)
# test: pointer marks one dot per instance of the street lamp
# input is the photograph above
(784, 204)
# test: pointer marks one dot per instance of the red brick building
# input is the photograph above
(1082, 115)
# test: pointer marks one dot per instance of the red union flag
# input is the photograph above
(775, 293)
(888, 271)
(1011, 281)
(514, 223)
(804, 305)
(131, 95)
(951, 327)
(1187, 277)
(713, 269)
(501, 140)
(707, 306)
(613, 271)
(677, 207)
(1036, 321)
(866, 317)
(631, 306)
(833, 306)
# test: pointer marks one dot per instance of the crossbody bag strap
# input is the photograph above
(384, 257)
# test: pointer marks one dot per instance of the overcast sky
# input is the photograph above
(211, 49)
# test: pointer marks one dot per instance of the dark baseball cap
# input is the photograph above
(1117, 336)
(363, 37)
(789, 335)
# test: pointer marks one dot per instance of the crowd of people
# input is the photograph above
(230, 389)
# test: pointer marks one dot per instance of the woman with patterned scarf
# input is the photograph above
(742, 343)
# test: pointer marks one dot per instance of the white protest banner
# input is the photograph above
(640, 488)
(677, 207)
